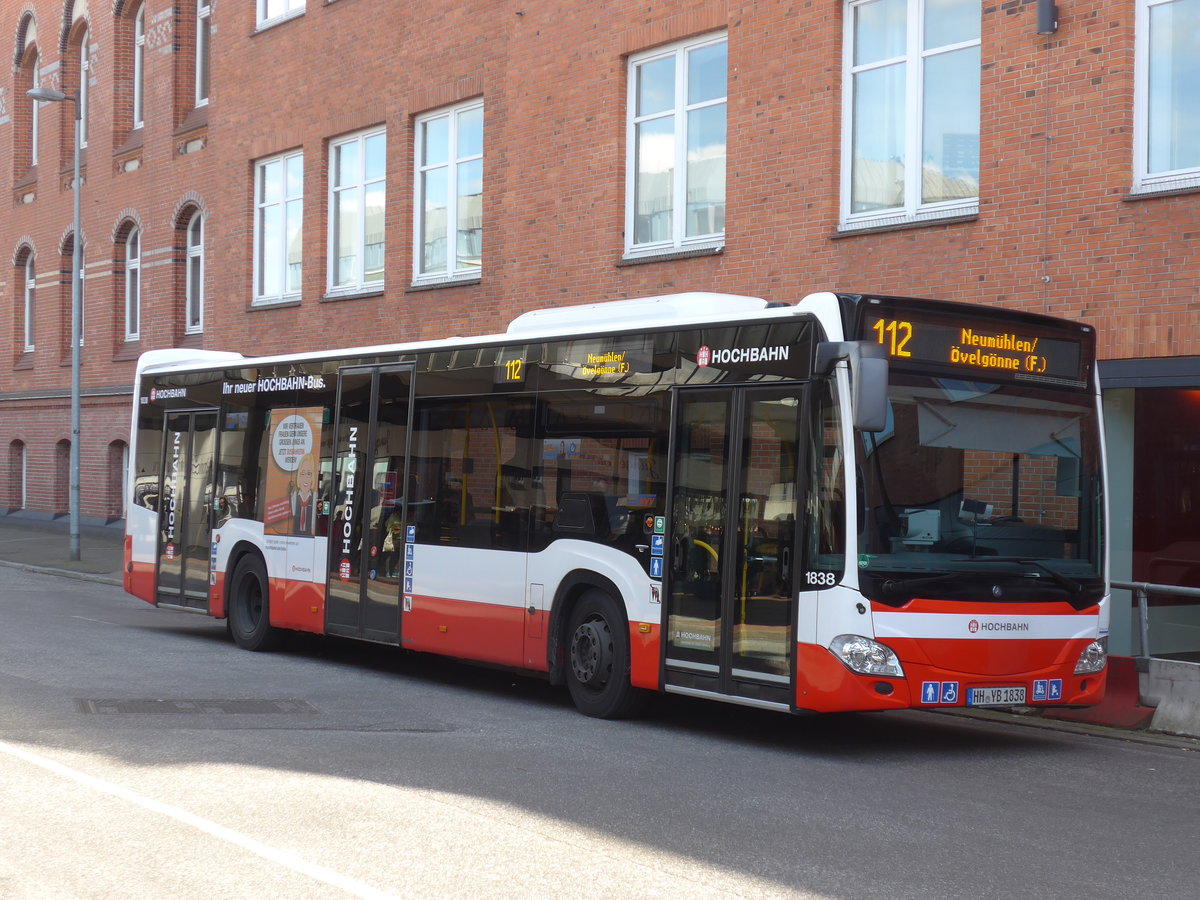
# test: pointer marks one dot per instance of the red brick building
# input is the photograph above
(293, 174)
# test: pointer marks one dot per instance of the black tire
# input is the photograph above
(597, 659)
(249, 606)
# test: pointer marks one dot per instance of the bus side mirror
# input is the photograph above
(868, 378)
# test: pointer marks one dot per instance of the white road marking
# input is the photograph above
(280, 857)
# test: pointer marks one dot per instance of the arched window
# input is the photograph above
(139, 65)
(85, 68)
(194, 285)
(28, 308)
(18, 476)
(133, 284)
(203, 37)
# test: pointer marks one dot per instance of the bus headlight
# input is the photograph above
(1093, 657)
(865, 656)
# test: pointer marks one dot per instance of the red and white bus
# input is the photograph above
(850, 503)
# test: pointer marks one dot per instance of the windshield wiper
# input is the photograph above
(1070, 584)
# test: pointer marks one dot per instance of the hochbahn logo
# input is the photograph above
(975, 626)
(706, 356)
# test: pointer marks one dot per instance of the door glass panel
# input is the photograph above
(698, 517)
(176, 464)
(766, 531)
(387, 561)
(197, 520)
(350, 496)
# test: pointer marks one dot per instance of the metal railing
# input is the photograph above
(1142, 590)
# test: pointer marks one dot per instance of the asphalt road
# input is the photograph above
(142, 755)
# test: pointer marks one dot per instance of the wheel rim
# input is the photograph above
(591, 652)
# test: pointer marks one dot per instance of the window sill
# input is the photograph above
(128, 350)
(268, 24)
(24, 361)
(337, 296)
(418, 286)
(905, 225)
(1167, 189)
(633, 258)
(195, 120)
(273, 303)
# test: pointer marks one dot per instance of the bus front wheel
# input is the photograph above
(598, 659)
(249, 606)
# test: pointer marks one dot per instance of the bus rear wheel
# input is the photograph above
(249, 606)
(598, 659)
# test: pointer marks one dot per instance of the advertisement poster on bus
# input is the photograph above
(290, 504)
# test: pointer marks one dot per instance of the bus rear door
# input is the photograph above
(731, 599)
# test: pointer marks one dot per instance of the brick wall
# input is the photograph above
(1056, 232)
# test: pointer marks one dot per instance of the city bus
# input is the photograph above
(851, 502)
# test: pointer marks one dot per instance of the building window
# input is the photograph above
(133, 284)
(910, 143)
(68, 270)
(357, 168)
(139, 65)
(85, 70)
(449, 189)
(194, 286)
(29, 308)
(35, 109)
(1167, 138)
(279, 209)
(203, 39)
(675, 152)
(270, 11)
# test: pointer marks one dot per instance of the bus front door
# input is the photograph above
(731, 598)
(366, 533)
(185, 512)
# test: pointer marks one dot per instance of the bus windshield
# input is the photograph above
(982, 492)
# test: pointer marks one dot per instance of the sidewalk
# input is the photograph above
(44, 545)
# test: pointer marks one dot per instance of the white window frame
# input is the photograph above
(85, 75)
(133, 284)
(139, 65)
(285, 204)
(284, 10)
(679, 240)
(454, 269)
(193, 289)
(912, 209)
(1145, 181)
(29, 297)
(203, 46)
(358, 281)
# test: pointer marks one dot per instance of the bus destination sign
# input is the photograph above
(999, 347)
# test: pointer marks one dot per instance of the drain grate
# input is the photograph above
(152, 707)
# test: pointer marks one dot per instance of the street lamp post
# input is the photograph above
(53, 96)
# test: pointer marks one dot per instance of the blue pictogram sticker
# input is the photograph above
(949, 692)
(408, 568)
(930, 691)
(408, 551)
(408, 585)
(656, 566)
(1039, 690)
(657, 543)
(1055, 688)
(412, 534)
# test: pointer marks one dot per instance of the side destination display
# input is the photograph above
(970, 344)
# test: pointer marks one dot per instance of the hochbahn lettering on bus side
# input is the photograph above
(173, 500)
(348, 499)
(723, 356)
